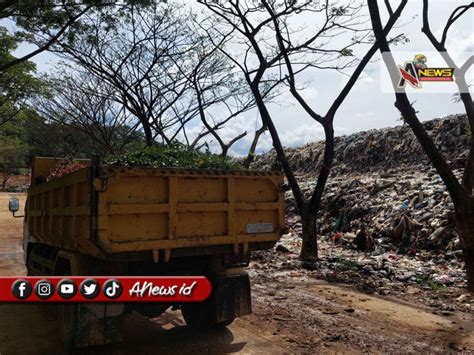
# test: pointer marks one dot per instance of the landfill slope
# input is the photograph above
(385, 210)
(388, 148)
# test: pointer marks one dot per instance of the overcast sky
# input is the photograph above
(367, 106)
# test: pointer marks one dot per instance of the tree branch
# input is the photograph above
(455, 189)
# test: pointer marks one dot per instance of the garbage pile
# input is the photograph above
(374, 150)
(65, 167)
(438, 281)
(405, 212)
(399, 228)
(383, 194)
(388, 234)
(387, 221)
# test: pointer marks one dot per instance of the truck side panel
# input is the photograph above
(100, 211)
(58, 212)
(151, 209)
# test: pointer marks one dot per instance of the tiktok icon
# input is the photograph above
(112, 289)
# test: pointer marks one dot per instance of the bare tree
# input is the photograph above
(218, 89)
(161, 70)
(461, 193)
(253, 146)
(221, 90)
(134, 58)
(81, 101)
(312, 51)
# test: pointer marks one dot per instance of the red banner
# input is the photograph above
(105, 289)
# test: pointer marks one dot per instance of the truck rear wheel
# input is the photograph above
(230, 299)
(83, 325)
(202, 316)
(67, 317)
(67, 313)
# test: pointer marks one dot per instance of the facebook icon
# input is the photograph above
(21, 289)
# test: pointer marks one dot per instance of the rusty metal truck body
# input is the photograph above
(103, 220)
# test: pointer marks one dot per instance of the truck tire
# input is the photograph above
(83, 325)
(67, 312)
(230, 299)
(202, 316)
(67, 317)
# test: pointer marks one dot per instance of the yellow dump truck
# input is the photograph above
(104, 220)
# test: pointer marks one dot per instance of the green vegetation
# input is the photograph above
(40, 138)
(436, 286)
(18, 83)
(346, 265)
(174, 155)
(431, 282)
(12, 152)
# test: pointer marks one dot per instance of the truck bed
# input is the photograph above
(114, 210)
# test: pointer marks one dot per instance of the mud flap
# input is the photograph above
(232, 297)
(99, 324)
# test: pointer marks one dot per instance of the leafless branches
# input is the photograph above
(81, 101)
(460, 76)
(134, 60)
(461, 196)
(273, 44)
(162, 69)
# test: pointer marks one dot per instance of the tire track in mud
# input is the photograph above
(315, 315)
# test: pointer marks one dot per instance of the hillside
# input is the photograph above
(388, 148)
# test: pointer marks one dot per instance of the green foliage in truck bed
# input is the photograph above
(173, 156)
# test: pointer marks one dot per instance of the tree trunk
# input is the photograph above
(253, 147)
(469, 260)
(465, 228)
(309, 249)
(148, 135)
(4, 181)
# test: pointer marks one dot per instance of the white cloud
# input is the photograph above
(303, 134)
(366, 107)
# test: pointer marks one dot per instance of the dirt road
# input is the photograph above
(292, 314)
(11, 229)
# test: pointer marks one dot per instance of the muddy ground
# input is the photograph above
(294, 311)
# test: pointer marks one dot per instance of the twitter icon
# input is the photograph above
(89, 288)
